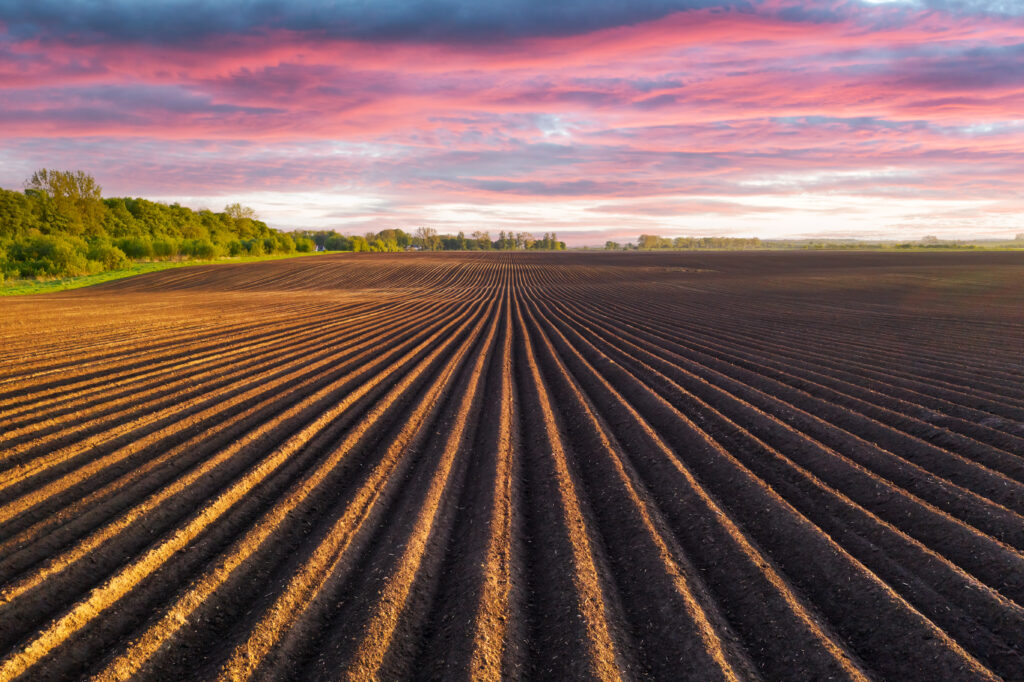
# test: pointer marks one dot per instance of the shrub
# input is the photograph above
(110, 257)
(52, 255)
(93, 267)
(135, 247)
(285, 243)
(164, 249)
(254, 247)
(202, 249)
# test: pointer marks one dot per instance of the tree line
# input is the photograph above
(648, 242)
(428, 239)
(61, 225)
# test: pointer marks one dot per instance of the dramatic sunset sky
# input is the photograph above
(596, 119)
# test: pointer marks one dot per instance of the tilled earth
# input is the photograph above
(543, 466)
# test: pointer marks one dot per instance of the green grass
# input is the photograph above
(22, 287)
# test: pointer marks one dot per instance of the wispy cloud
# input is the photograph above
(632, 115)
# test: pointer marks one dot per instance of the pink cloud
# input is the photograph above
(872, 100)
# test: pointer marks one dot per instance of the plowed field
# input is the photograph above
(705, 466)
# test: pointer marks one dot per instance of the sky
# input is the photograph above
(596, 119)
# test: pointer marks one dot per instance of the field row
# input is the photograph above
(518, 465)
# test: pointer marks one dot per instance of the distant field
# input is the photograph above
(790, 465)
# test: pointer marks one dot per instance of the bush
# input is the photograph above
(285, 243)
(94, 267)
(254, 247)
(135, 247)
(202, 249)
(110, 257)
(52, 255)
(304, 245)
(164, 249)
(235, 247)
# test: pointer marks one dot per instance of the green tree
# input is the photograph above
(401, 238)
(75, 195)
(649, 241)
(427, 238)
(16, 215)
(483, 240)
(239, 212)
(62, 226)
(337, 242)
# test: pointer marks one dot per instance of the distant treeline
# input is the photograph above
(653, 241)
(926, 242)
(427, 239)
(647, 242)
(62, 226)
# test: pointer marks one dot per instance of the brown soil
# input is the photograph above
(540, 466)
